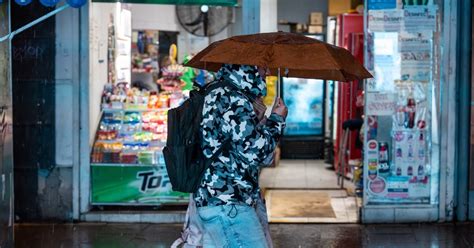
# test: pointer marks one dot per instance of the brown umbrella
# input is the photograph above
(296, 55)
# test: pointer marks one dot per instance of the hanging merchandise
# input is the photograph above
(49, 3)
(76, 3)
(171, 80)
(189, 75)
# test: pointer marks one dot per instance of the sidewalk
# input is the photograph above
(100, 235)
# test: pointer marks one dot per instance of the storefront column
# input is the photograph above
(82, 173)
(448, 113)
(250, 16)
(6, 139)
(268, 16)
(464, 108)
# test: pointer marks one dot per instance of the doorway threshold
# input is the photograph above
(311, 206)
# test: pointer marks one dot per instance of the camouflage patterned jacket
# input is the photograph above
(229, 118)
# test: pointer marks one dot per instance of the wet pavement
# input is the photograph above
(100, 235)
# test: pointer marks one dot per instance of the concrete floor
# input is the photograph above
(311, 175)
(307, 174)
(284, 235)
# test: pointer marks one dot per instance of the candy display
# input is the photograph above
(134, 131)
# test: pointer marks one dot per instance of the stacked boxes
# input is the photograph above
(315, 23)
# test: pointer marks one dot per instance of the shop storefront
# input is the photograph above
(409, 112)
(402, 157)
(136, 76)
(114, 119)
(127, 165)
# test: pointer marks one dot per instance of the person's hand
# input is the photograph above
(259, 108)
(280, 108)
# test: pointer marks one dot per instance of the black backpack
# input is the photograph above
(184, 158)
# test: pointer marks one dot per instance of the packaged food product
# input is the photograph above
(146, 157)
(132, 117)
(129, 157)
(106, 135)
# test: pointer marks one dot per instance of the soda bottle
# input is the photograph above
(421, 170)
(400, 117)
(410, 151)
(399, 152)
(410, 111)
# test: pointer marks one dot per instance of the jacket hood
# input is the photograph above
(245, 77)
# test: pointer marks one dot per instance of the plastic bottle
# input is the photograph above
(410, 112)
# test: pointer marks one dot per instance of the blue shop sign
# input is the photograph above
(382, 4)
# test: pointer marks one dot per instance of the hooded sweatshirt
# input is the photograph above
(229, 119)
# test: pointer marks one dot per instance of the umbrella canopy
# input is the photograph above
(297, 56)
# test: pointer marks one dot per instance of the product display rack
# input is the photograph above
(127, 164)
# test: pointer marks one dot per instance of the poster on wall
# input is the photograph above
(122, 61)
(124, 24)
(386, 61)
(128, 185)
(416, 56)
(385, 20)
(419, 18)
(398, 170)
(380, 104)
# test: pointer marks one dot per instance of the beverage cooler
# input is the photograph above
(304, 133)
(303, 137)
(401, 161)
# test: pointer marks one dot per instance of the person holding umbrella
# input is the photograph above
(229, 191)
(226, 197)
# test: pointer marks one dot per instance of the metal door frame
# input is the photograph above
(465, 171)
(463, 119)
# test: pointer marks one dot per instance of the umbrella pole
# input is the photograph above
(278, 84)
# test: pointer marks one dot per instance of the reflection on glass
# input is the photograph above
(304, 98)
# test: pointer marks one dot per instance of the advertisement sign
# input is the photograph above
(419, 18)
(380, 104)
(385, 20)
(397, 187)
(412, 19)
(133, 184)
(401, 49)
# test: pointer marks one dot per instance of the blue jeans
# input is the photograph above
(231, 226)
